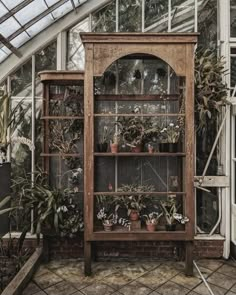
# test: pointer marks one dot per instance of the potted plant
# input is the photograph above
(135, 201)
(114, 143)
(102, 146)
(133, 129)
(169, 208)
(106, 211)
(170, 137)
(151, 220)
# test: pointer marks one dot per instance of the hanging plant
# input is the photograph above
(210, 88)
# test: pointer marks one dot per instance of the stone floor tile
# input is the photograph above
(205, 272)
(178, 265)
(158, 276)
(79, 293)
(41, 271)
(61, 288)
(46, 280)
(133, 271)
(98, 289)
(202, 289)
(230, 293)
(153, 293)
(79, 282)
(228, 270)
(193, 293)
(135, 288)
(233, 289)
(188, 282)
(221, 280)
(32, 288)
(40, 293)
(212, 264)
(170, 288)
(116, 281)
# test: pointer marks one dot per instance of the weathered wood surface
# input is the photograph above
(22, 278)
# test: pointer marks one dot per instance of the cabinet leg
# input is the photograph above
(87, 258)
(189, 258)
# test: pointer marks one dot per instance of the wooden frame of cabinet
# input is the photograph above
(101, 50)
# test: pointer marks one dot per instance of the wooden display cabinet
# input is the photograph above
(62, 117)
(147, 77)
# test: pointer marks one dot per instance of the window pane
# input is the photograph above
(21, 81)
(156, 12)
(207, 210)
(104, 20)
(207, 23)
(130, 15)
(182, 16)
(232, 18)
(75, 57)
(46, 59)
(233, 71)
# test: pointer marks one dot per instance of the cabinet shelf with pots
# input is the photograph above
(139, 139)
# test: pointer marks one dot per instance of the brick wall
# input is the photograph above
(73, 248)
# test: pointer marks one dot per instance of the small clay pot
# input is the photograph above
(170, 227)
(151, 226)
(134, 215)
(107, 226)
(151, 149)
(114, 148)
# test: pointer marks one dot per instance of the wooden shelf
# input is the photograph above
(61, 96)
(62, 118)
(144, 154)
(141, 235)
(140, 115)
(138, 97)
(112, 193)
(60, 155)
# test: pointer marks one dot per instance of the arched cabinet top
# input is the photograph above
(174, 49)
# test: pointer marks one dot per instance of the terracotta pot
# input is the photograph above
(136, 149)
(171, 227)
(151, 226)
(107, 226)
(114, 148)
(134, 215)
(151, 149)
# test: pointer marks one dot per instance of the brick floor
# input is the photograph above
(65, 277)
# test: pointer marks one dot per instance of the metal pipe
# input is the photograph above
(203, 279)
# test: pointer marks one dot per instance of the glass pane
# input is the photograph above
(130, 15)
(75, 50)
(3, 55)
(20, 40)
(233, 71)
(46, 59)
(3, 10)
(66, 101)
(207, 23)
(182, 16)
(21, 81)
(207, 210)
(156, 13)
(30, 11)
(8, 27)
(232, 18)
(11, 4)
(40, 25)
(104, 20)
(62, 10)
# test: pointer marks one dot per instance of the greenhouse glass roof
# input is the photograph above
(21, 20)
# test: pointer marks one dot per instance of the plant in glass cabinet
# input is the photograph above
(106, 211)
(136, 200)
(152, 218)
(169, 208)
(115, 142)
(103, 140)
